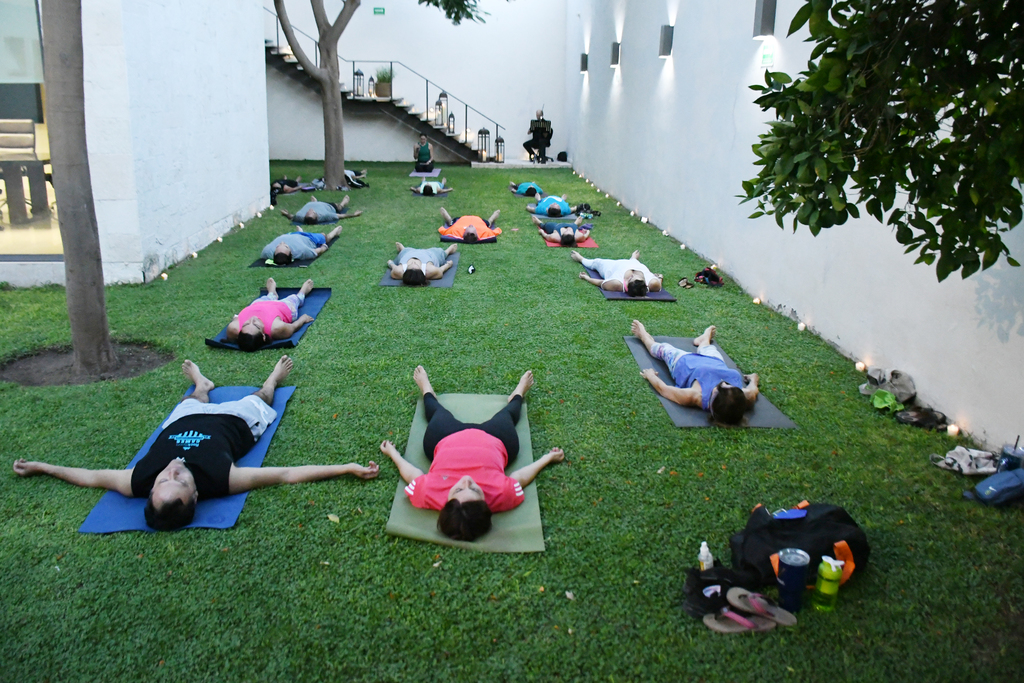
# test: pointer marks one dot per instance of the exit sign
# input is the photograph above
(378, 10)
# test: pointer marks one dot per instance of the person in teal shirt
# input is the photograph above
(530, 189)
(556, 207)
(423, 153)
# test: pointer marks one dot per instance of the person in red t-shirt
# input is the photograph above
(467, 480)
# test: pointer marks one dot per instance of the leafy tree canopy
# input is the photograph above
(921, 98)
(457, 10)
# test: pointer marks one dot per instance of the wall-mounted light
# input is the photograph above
(583, 63)
(616, 53)
(764, 19)
(665, 44)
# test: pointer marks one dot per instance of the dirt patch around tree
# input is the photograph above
(52, 367)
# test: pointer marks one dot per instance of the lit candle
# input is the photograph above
(801, 327)
(606, 195)
(665, 233)
(220, 239)
(714, 266)
(195, 255)
(632, 213)
(618, 203)
(259, 214)
(757, 301)
(682, 246)
(644, 219)
(952, 430)
(163, 276)
(241, 225)
(860, 366)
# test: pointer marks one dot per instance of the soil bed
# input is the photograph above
(52, 367)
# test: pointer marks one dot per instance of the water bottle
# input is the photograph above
(1012, 457)
(826, 589)
(704, 557)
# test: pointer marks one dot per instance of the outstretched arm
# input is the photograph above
(111, 480)
(527, 474)
(689, 397)
(242, 479)
(549, 236)
(406, 470)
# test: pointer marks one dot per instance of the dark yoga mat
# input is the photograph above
(432, 174)
(115, 512)
(544, 215)
(303, 263)
(764, 414)
(447, 280)
(517, 531)
(651, 296)
(314, 302)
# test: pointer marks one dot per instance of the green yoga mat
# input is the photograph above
(516, 531)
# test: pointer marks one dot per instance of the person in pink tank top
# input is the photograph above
(268, 318)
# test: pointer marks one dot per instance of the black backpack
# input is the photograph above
(824, 530)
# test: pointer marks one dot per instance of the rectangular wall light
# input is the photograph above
(764, 19)
(583, 63)
(665, 44)
(616, 53)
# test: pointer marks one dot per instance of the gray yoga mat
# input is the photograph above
(764, 414)
(663, 295)
(447, 280)
(517, 531)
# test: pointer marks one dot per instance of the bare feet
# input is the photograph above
(307, 287)
(332, 234)
(281, 370)
(27, 468)
(575, 256)
(494, 217)
(271, 285)
(536, 221)
(446, 216)
(286, 214)
(419, 375)
(706, 338)
(191, 371)
(525, 382)
(640, 332)
(369, 472)
(451, 250)
(344, 202)
(635, 255)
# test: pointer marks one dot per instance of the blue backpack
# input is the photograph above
(999, 489)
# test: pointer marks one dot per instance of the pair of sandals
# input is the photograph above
(760, 614)
(685, 284)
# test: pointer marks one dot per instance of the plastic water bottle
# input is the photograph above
(826, 589)
(704, 557)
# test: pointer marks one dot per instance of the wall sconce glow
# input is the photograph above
(764, 19)
(616, 53)
(801, 327)
(860, 366)
(768, 53)
(757, 301)
(665, 44)
(583, 63)
(952, 430)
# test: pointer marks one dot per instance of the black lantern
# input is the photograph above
(371, 88)
(483, 143)
(499, 149)
(438, 114)
(357, 83)
(443, 105)
(451, 124)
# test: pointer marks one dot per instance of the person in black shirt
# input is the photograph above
(540, 138)
(194, 456)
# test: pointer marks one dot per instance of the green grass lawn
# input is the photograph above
(289, 595)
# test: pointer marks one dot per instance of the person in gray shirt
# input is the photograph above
(298, 246)
(315, 212)
(416, 266)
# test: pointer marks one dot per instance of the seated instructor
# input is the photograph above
(423, 153)
(267, 318)
(315, 212)
(552, 206)
(298, 246)
(415, 266)
(467, 480)
(469, 229)
(565, 234)
(194, 456)
(702, 379)
(621, 275)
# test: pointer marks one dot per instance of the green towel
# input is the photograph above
(516, 531)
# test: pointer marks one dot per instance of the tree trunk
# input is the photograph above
(65, 121)
(334, 132)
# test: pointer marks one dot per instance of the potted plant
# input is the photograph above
(384, 76)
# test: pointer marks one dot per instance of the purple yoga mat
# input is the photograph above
(433, 174)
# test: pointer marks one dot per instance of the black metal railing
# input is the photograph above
(447, 120)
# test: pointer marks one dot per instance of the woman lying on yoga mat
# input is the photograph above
(267, 318)
(566, 234)
(467, 480)
(621, 275)
(701, 377)
(415, 266)
(194, 456)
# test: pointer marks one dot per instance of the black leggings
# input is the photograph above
(441, 423)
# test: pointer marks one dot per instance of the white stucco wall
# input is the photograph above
(507, 68)
(675, 139)
(176, 123)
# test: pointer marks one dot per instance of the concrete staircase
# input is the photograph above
(398, 109)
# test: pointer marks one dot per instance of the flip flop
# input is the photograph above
(685, 284)
(755, 603)
(728, 621)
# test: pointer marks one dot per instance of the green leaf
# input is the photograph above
(975, 197)
(756, 214)
(801, 17)
(1013, 262)
(781, 77)
(821, 168)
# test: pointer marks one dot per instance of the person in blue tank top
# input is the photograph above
(702, 379)
(556, 207)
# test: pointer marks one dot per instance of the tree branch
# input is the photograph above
(316, 72)
(322, 23)
(334, 34)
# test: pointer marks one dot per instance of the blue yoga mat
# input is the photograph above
(314, 302)
(115, 512)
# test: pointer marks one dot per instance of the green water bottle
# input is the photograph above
(826, 589)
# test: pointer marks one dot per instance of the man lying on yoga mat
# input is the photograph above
(555, 207)
(566, 234)
(467, 480)
(316, 212)
(416, 266)
(266, 318)
(701, 377)
(530, 189)
(621, 275)
(194, 456)
(431, 188)
(298, 245)
(469, 228)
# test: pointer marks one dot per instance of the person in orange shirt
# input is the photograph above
(469, 229)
